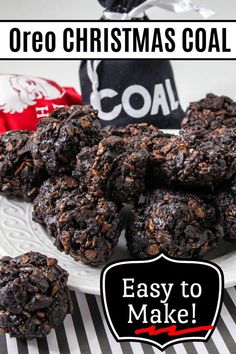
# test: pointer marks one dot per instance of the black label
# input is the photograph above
(162, 301)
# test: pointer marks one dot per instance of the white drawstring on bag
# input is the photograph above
(171, 5)
(93, 77)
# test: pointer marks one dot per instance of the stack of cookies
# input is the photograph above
(79, 177)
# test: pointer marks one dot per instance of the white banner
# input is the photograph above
(117, 40)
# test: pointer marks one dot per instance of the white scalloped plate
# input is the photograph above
(19, 234)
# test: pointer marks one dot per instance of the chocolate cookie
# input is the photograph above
(210, 113)
(119, 170)
(60, 137)
(34, 297)
(84, 226)
(19, 176)
(119, 167)
(87, 228)
(197, 160)
(179, 224)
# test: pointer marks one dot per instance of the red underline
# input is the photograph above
(171, 330)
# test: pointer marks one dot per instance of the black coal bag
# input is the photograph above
(133, 91)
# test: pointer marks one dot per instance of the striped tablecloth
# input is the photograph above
(86, 332)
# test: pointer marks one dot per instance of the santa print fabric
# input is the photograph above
(24, 100)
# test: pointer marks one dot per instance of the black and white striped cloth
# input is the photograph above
(86, 332)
